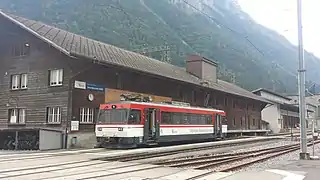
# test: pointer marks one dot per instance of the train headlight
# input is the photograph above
(99, 128)
(113, 106)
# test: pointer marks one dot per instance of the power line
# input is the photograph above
(223, 25)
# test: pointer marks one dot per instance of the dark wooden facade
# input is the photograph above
(242, 112)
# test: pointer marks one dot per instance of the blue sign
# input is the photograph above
(95, 87)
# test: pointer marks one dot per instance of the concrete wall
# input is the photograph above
(82, 140)
(271, 114)
(49, 140)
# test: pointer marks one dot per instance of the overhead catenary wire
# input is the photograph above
(223, 25)
(235, 32)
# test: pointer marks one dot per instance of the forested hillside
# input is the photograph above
(257, 56)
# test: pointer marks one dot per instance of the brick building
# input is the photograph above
(41, 65)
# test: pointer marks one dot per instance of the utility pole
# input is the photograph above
(302, 71)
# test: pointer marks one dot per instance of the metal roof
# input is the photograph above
(74, 45)
(271, 92)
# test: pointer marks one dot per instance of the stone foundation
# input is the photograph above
(81, 140)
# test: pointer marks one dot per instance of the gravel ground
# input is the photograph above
(275, 144)
(222, 150)
(281, 160)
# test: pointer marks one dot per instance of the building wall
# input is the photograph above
(271, 114)
(37, 64)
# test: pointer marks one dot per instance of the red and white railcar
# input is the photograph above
(130, 124)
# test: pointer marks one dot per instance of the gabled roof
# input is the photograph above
(74, 45)
(257, 91)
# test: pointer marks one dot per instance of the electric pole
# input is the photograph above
(301, 79)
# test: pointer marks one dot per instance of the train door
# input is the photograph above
(217, 125)
(220, 125)
(151, 124)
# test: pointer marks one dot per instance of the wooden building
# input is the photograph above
(50, 77)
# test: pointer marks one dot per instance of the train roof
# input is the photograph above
(166, 105)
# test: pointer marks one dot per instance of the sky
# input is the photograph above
(281, 16)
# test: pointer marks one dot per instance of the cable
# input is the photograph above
(223, 25)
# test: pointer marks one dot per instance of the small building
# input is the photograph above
(312, 108)
(281, 114)
(55, 80)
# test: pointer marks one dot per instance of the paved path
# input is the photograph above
(78, 165)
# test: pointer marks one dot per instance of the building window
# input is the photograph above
(22, 49)
(15, 81)
(17, 116)
(226, 101)
(253, 122)
(54, 115)
(194, 96)
(56, 77)
(234, 104)
(24, 81)
(234, 121)
(19, 81)
(86, 115)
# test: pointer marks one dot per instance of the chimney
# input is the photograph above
(202, 67)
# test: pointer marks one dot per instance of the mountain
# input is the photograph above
(254, 54)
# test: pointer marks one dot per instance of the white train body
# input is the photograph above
(149, 123)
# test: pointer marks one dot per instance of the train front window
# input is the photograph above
(121, 116)
(134, 116)
(113, 116)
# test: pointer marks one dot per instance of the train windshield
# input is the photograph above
(119, 116)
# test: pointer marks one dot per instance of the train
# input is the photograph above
(130, 124)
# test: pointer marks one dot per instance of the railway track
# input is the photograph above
(148, 155)
(233, 162)
(203, 159)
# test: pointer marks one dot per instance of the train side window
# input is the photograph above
(186, 118)
(134, 116)
(193, 119)
(166, 118)
(176, 118)
(208, 119)
(202, 119)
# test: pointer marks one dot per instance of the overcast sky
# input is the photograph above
(281, 15)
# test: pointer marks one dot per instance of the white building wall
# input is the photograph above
(271, 114)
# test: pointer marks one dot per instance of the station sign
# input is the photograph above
(95, 87)
(80, 85)
(88, 86)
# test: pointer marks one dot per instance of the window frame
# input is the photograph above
(15, 82)
(20, 50)
(184, 118)
(17, 79)
(58, 77)
(53, 114)
(18, 116)
(25, 75)
(84, 114)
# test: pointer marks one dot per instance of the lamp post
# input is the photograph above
(302, 71)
